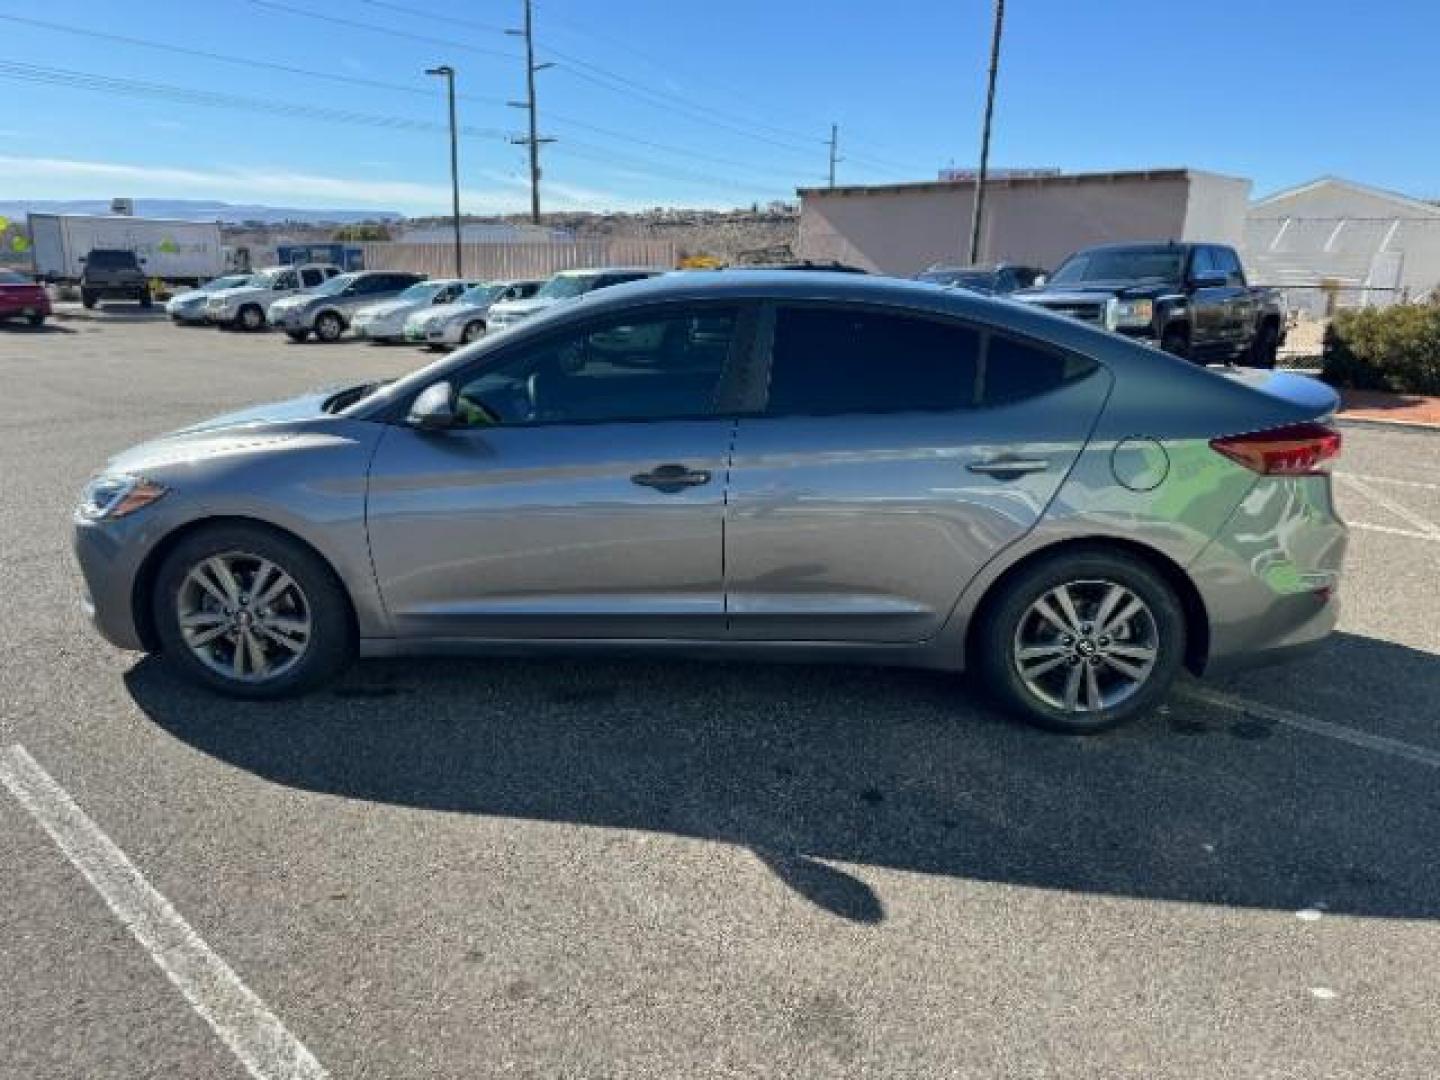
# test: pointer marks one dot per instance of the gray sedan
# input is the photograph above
(746, 464)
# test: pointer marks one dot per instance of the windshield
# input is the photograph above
(335, 285)
(563, 286)
(982, 280)
(480, 294)
(422, 290)
(1124, 264)
(232, 281)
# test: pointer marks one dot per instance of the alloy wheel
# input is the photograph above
(244, 617)
(1086, 646)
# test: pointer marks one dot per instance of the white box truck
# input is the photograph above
(182, 252)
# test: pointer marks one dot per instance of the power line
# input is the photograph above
(242, 61)
(421, 13)
(356, 24)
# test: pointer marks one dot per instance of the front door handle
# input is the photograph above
(1007, 468)
(672, 478)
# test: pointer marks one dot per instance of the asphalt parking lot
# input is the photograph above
(468, 868)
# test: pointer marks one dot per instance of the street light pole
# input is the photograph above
(979, 209)
(449, 73)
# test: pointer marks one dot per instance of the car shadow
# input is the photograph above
(17, 326)
(809, 767)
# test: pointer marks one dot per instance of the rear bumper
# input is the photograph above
(1270, 579)
(24, 308)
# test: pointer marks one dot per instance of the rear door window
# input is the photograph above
(312, 276)
(829, 360)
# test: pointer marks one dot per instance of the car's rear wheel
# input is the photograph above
(252, 613)
(1082, 641)
(1265, 348)
(36, 319)
(473, 332)
(328, 327)
(251, 318)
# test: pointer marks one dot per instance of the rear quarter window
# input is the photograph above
(1015, 370)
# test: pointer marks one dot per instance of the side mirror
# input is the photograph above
(433, 408)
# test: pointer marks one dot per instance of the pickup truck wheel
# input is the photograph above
(89, 299)
(328, 327)
(1176, 342)
(1265, 347)
(251, 318)
(146, 300)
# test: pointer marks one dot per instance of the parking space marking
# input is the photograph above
(252, 1032)
(1421, 484)
(1379, 743)
(1398, 509)
(1390, 530)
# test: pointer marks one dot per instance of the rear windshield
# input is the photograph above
(105, 259)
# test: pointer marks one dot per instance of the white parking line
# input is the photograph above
(1389, 480)
(256, 1036)
(1379, 743)
(1398, 509)
(1392, 531)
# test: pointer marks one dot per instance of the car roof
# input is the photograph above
(593, 271)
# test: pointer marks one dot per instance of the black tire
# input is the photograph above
(250, 318)
(89, 299)
(472, 333)
(297, 336)
(329, 326)
(331, 644)
(146, 300)
(1176, 341)
(1265, 348)
(1084, 569)
(35, 320)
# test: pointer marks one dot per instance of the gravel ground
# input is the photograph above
(481, 868)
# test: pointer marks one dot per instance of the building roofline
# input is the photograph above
(1353, 185)
(1053, 180)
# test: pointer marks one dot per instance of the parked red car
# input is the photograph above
(23, 297)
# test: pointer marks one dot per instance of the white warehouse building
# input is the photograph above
(1335, 243)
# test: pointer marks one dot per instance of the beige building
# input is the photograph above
(1034, 220)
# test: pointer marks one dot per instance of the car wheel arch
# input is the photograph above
(1192, 604)
(143, 590)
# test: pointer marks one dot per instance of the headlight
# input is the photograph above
(109, 497)
(1131, 313)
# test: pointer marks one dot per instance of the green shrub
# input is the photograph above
(1395, 348)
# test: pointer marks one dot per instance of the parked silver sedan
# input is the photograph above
(464, 321)
(806, 465)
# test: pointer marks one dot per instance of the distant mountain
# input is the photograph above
(198, 210)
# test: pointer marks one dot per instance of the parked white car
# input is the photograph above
(566, 285)
(245, 307)
(189, 306)
(385, 321)
(464, 321)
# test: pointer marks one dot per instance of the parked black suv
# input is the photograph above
(113, 274)
(1192, 300)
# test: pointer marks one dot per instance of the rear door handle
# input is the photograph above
(1006, 467)
(672, 478)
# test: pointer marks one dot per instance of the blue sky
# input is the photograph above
(700, 103)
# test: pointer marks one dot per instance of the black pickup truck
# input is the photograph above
(1191, 300)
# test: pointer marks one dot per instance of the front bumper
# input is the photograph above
(110, 554)
(379, 330)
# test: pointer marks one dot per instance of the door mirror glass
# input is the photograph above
(433, 408)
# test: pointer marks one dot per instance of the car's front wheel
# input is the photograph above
(1082, 641)
(473, 332)
(252, 613)
(328, 327)
(252, 318)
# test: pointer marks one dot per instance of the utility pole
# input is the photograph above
(449, 73)
(985, 135)
(533, 140)
(834, 146)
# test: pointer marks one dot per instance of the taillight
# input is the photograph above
(1293, 450)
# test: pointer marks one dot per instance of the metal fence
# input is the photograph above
(500, 261)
